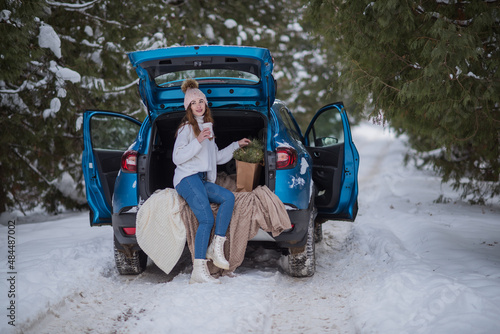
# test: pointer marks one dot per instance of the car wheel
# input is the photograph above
(302, 260)
(318, 232)
(133, 265)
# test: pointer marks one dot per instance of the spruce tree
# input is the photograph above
(19, 28)
(60, 59)
(431, 70)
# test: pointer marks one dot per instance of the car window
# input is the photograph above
(112, 133)
(290, 125)
(328, 130)
(221, 76)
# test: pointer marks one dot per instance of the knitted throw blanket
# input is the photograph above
(160, 231)
(165, 222)
(260, 208)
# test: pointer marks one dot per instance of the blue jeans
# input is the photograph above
(199, 193)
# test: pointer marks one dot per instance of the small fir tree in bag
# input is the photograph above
(248, 165)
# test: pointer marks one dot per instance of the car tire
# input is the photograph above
(302, 260)
(133, 265)
(318, 232)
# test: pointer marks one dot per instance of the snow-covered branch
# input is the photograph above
(81, 8)
(72, 6)
(31, 166)
(14, 91)
(436, 15)
(105, 21)
(65, 183)
(462, 23)
(5, 17)
(117, 90)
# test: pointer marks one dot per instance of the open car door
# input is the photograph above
(106, 136)
(335, 163)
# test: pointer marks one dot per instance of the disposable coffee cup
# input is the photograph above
(210, 126)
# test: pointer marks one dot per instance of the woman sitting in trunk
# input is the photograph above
(196, 157)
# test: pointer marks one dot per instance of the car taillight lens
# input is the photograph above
(286, 157)
(129, 230)
(129, 161)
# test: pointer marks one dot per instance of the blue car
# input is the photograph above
(124, 160)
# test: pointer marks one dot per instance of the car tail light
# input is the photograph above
(129, 230)
(129, 161)
(286, 157)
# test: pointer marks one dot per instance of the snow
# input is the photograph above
(283, 144)
(71, 5)
(296, 182)
(407, 265)
(5, 15)
(67, 185)
(48, 38)
(61, 92)
(303, 166)
(209, 32)
(243, 35)
(64, 73)
(55, 106)
(230, 23)
(472, 75)
(89, 31)
(79, 123)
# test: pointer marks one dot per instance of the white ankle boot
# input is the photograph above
(215, 252)
(201, 274)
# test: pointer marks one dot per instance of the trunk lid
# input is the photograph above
(230, 76)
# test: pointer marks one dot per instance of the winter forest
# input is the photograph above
(421, 82)
(427, 69)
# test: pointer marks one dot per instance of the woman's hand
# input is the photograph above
(205, 134)
(244, 142)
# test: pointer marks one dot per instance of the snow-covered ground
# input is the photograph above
(407, 265)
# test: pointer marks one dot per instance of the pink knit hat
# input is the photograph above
(191, 92)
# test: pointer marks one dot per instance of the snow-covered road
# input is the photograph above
(74, 288)
(407, 265)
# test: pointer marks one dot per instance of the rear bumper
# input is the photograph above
(123, 241)
(297, 237)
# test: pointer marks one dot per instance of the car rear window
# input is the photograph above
(207, 76)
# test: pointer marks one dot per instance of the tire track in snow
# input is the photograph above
(376, 164)
(107, 306)
(260, 299)
(321, 304)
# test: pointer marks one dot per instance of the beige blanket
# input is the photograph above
(160, 231)
(260, 208)
(165, 222)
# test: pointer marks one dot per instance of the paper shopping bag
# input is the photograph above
(247, 176)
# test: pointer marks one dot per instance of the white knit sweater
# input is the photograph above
(190, 156)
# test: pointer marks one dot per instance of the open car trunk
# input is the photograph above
(156, 169)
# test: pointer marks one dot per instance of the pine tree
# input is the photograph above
(430, 69)
(18, 26)
(60, 59)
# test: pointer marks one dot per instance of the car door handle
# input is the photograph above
(316, 154)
